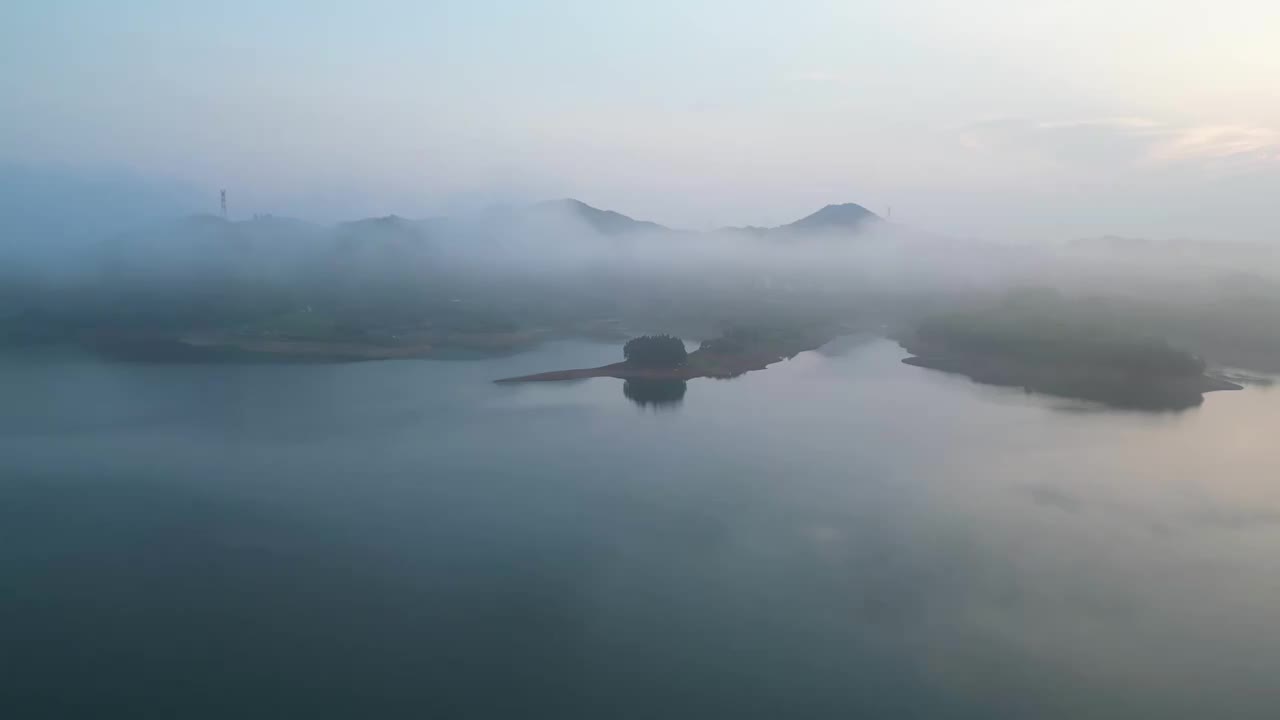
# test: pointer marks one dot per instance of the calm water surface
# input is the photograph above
(838, 536)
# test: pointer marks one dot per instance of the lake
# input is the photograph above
(838, 536)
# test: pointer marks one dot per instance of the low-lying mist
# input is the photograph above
(566, 267)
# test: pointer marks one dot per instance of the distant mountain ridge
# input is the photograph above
(832, 218)
(846, 217)
(606, 222)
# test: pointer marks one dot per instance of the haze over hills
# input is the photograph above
(832, 219)
(566, 264)
(561, 266)
(552, 216)
(606, 222)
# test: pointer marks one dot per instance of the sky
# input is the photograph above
(1020, 121)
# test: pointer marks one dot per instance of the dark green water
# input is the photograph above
(839, 536)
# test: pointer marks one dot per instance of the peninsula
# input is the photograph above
(1047, 345)
(663, 357)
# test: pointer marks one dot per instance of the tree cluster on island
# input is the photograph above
(656, 351)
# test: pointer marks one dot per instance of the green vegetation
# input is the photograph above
(323, 323)
(765, 338)
(1042, 328)
(655, 351)
(1042, 342)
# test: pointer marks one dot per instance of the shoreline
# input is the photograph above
(1094, 384)
(213, 347)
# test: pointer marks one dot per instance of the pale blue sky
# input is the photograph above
(1006, 120)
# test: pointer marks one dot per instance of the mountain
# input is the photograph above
(833, 217)
(391, 230)
(847, 217)
(605, 222)
(204, 247)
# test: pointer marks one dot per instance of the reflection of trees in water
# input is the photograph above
(1140, 396)
(1127, 394)
(654, 393)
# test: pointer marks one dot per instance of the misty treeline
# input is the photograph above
(549, 264)
(1042, 327)
(568, 266)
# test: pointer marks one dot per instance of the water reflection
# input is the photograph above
(956, 548)
(1122, 393)
(1134, 396)
(658, 394)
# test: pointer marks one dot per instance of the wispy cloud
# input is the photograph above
(1215, 142)
(1135, 124)
(1126, 142)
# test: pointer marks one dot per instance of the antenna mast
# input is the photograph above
(224, 204)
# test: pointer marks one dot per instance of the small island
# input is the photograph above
(1043, 343)
(663, 357)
